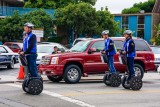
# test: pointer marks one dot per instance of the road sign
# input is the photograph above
(38, 32)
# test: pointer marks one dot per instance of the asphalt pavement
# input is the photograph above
(90, 92)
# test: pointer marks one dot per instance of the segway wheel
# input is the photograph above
(123, 83)
(136, 83)
(35, 87)
(24, 86)
(106, 80)
(115, 80)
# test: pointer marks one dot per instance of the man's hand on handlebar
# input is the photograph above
(102, 52)
(21, 53)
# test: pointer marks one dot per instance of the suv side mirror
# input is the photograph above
(91, 50)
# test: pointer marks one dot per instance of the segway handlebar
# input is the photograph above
(122, 57)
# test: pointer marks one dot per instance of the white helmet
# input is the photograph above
(30, 25)
(129, 32)
(105, 32)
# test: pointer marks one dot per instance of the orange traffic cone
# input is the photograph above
(21, 73)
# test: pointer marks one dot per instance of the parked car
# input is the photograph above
(7, 57)
(156, 51)
(84, 60)
(80, 39)
(47, 49)
(14, 46)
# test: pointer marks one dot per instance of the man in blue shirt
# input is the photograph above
(30, 49)
(109, 50)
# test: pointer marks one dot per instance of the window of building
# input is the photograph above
(125, 23)
(140, 31)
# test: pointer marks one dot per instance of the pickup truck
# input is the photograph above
(84, 59)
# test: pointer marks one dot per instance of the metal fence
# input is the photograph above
(8, 11)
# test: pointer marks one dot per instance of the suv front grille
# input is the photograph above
(45, 60)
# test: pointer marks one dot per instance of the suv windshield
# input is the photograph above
(80, 46)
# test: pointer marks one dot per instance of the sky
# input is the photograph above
(116, 6)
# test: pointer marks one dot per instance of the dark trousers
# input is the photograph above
(130, 65)
(111, 64)
(31, 59)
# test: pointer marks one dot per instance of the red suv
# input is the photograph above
(83, 60)
(14, 46)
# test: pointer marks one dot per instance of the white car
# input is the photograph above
(7, 57)
(156, 51)
(47, 49)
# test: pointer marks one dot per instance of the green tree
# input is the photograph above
(84, 19)
(11, 27)
(47, 4)
(105, 21)
(40, 4)
(156, 39)
(81, 17)
(41, 20)
(146, 6)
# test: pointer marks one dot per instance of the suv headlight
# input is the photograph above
(54, 60)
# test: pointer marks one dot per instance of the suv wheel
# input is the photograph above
(55, 78)
(11, 65)
(72, 74)
(139, 71)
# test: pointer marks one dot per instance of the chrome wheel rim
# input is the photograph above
(137, 71)
(73, 74)
(12, 64)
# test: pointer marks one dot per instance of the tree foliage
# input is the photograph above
(156, 37)
(54, 4)
(146, 6)
(105, 21)
(12, 27)
(84, 19)
(41, 20)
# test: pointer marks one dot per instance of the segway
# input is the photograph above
(135, 82)
(31, 85)
(113, 80)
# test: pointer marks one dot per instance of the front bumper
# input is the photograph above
(56, 70)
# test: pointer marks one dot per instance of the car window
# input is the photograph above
(118, 44)
(156, 50)
(76, 41)
(20, 45)
(2, 50)
(9, 45)
(15, 46)
(99, 45)
(80, 46)
(44, 49)
(141, 45)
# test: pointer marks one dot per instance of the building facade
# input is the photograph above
(4, 4)
(143, 24)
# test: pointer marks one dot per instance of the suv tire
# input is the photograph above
(139, 71)
(11, 65)
(72, 74)
(55, 78)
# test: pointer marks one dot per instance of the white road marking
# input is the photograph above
(56, 95)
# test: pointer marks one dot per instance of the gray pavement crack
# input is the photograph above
(12, 103)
